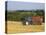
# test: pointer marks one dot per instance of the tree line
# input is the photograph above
(18, 14)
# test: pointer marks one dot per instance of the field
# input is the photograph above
(17, 27)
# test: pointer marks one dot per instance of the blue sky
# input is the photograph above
(15, 5)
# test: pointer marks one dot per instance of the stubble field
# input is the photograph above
(18, 27)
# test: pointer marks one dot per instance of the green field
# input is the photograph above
(18, 27)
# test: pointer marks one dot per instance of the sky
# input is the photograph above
(15, 5)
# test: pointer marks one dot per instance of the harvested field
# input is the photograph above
(17, 27)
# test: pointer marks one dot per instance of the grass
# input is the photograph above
(17, 27)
